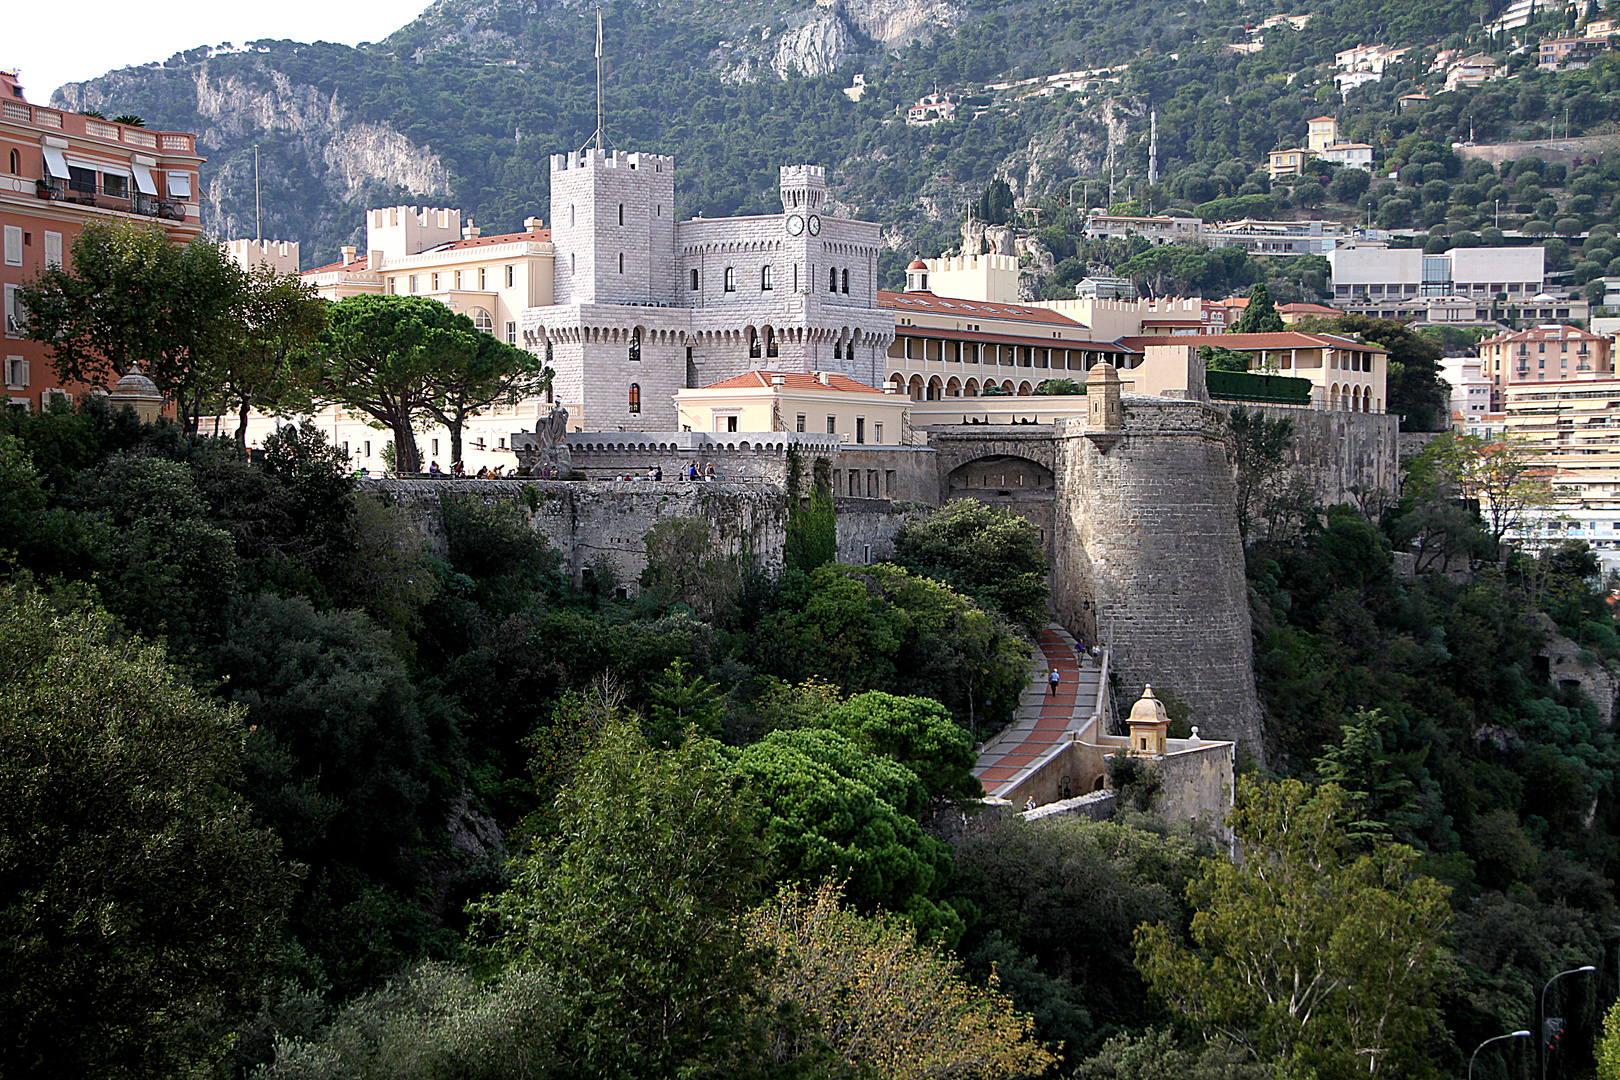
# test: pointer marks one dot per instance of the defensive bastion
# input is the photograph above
(1135, 503)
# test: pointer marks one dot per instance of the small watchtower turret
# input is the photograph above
(1105, 414)
(1150, 725)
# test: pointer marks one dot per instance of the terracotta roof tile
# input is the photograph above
(1287, 339)
(794, 380)
(973, 309)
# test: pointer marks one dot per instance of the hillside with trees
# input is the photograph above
(489, 93)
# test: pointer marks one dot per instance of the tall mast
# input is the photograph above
(1153, 148)
(599, 78)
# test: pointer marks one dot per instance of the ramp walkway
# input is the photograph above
(1044, 721)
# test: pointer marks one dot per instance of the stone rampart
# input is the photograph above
(587, 521)
(1338, 451)
(1147, 559)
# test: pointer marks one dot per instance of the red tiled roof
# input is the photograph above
(1307, 309)
(1287, 339)
(331, 268)
(498, 238)
(1544, 333)
(989, 338)
(795, 380)
(973, 309)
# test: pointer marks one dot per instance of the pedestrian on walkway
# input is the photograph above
(1052, 682)
(1029, 804)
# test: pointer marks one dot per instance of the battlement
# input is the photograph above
(616, 159)
(279, 255)
(804, 187)
(398, 231)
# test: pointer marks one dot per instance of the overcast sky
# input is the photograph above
(52, 45)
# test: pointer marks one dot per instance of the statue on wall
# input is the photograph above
(553, 432)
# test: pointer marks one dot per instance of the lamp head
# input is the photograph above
(1588, 967)
(1519, 1035)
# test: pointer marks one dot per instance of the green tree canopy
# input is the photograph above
(992, 555)
(387, 357)
(830, 809)
(916, 732)
(134, 296)
(634, 906)
(882, 627)
(138, 903)
(1309, 956)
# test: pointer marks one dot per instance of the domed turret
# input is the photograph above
(1150, 725)
(136, 391)
(917, 276)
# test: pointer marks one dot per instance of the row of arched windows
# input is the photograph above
(837, 280)
(834, 276)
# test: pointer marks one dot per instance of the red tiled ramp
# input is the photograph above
(1042, 719)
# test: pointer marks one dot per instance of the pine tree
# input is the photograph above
(1260, 317)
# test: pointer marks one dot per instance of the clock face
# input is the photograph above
(815, 225)
(795, 225)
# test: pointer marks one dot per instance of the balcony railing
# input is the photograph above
(57, 190)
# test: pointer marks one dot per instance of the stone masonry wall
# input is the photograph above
(585, 521)
(1147, 559)
(1338, 451)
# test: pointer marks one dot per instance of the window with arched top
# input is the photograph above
(621, 213)
(845, 277)
(832, 280)
(481, 320)
(634, 351)
(694, 281)
(731, 279)
(16, 164)
(548, 352)
(765, 278)
(621, 262)
(838, 348)
(770, 341)
(570, 215)
(753, 344)
(635, 397)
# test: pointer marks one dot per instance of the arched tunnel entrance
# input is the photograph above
(1017, 484)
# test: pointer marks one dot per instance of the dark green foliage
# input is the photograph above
(1260, 315)
(1060, 386)
(336, 758)
(995, 205)
(831, 809)
(880, 627)
(1259, 447)
(171, 571)
(1057, 903)
(679, 700)
(990, 554)
(812, 538)
(138, 906)
(916, 732)
(493, 546)
(634, 908)
(1218, 359)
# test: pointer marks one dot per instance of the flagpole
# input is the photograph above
(599, 78)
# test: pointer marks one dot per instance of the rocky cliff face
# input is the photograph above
(302, 135)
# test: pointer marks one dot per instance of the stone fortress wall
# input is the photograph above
(1146, 558)
(1136, 502)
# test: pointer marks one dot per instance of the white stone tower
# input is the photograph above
(804, 188)
(613, 226)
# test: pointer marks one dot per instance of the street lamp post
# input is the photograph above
(1541, 1018)
(1487, 1042)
